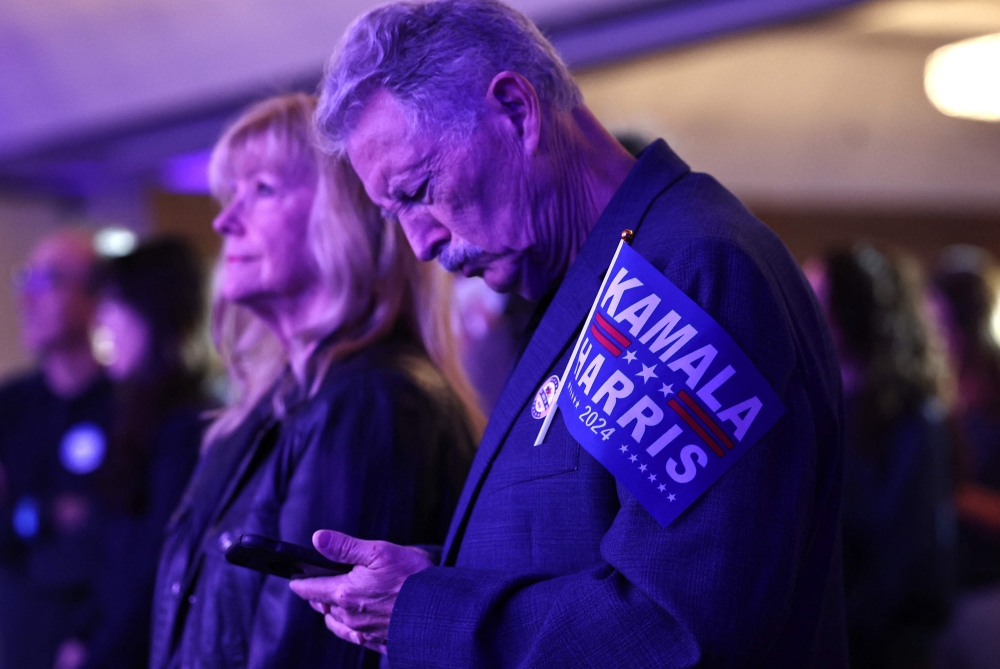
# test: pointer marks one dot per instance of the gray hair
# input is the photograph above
(437, 59)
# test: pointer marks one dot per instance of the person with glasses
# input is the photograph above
(53, 440)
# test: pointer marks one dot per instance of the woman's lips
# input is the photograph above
(237, 258)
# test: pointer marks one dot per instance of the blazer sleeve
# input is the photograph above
(712, 588)
(350, 472)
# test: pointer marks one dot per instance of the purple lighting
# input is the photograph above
(186, 174)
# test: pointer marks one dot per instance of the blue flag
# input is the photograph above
(659, 393)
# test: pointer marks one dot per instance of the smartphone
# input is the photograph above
(280, 558)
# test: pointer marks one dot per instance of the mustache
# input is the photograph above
(453, 256)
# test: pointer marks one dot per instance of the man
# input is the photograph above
(465, 126)
(53, 426)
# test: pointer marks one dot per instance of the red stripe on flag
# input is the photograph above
(687, 418)
(706, 419)
(604, 341)
(618, 336)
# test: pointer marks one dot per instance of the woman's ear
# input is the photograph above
(513, 98)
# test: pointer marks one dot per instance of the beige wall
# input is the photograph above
(821, 115)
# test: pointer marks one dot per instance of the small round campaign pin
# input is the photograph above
(544, 398)
(82, 448)
(628, 235)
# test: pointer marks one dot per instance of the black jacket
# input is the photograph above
(117, 635)
(48, 576)
(379, 452)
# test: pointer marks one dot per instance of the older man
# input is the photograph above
(53, 428)
(465, 126)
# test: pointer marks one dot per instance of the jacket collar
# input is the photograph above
(657, 169)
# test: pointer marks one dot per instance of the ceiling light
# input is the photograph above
(114, 241)
(963, 79)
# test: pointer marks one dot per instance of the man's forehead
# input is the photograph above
(384, 145)
(63, 250)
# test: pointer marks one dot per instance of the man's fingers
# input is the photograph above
(320, 589)
(359, 638)
(378, 645)
(342, 630)
(340, 547)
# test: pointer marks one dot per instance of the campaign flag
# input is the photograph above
(659, 393)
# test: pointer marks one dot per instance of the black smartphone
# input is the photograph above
(280, 558)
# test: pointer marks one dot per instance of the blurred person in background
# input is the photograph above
(327, 326)
(53, 445)
(898, 520)
(965, 288)
(150, 310)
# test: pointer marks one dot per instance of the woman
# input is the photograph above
(326, 324)
(148, 315)
(897, 516)
(965, 288)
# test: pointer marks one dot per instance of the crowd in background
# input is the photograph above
(93, 459)
(95, 452)
(919, 364)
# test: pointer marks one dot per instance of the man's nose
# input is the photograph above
(425, 233)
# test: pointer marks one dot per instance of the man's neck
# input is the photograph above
(588, 166)
(69, 371)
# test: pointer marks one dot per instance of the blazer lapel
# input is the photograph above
(563, 319)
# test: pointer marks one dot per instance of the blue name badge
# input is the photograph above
(659, 393)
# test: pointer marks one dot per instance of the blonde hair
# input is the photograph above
(371, 278)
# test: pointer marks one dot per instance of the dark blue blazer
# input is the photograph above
(550, 563)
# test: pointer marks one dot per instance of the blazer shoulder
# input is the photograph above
(697, 208)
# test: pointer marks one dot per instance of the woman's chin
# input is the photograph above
(242, 295)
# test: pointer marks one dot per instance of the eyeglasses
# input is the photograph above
(28, 279)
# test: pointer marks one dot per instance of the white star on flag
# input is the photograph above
(661, 487)
(629, 356)
(652, 477)
(671, 497)
(667, 390)
(642, 467)
(647, 373)
(633, 458)
(623, 448)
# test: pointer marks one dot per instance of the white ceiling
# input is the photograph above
(72, 67)
(830, 113)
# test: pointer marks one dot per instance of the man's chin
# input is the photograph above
(498, 281)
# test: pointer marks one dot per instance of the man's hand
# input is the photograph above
(71, 654)
(357, 605)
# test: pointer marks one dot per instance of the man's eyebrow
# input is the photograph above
(406, 176)
(397, 193)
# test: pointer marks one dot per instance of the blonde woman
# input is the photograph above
(327, 325)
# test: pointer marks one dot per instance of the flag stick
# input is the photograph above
(626, 237)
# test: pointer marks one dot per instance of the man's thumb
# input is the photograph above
(340, 547)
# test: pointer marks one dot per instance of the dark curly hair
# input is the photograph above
(964, 281)
(162, 281)
(875, 306)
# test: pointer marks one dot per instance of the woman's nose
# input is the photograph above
(228, 222)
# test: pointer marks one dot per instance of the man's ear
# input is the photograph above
(514, 98)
